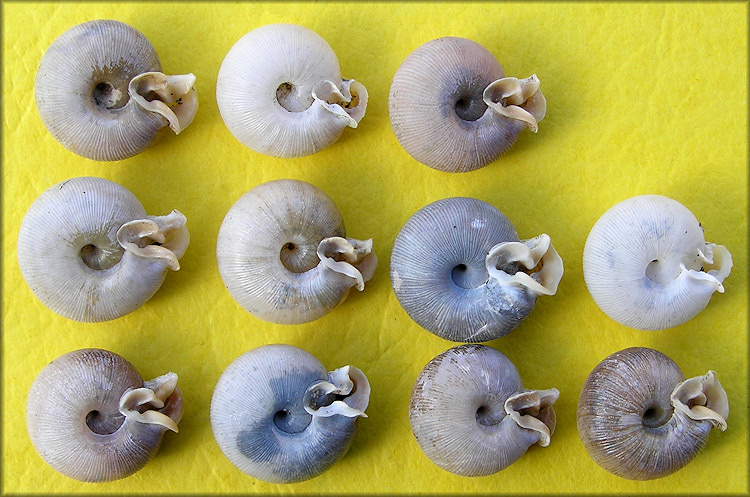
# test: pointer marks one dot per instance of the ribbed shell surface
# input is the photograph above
(435, 80)
(62, 396)
(251, 392)
(616, 257)
(452, 233)
(59, 224)
(89, 54)
(252, 71)
(443, 411)
(613, 407)
(250, 242)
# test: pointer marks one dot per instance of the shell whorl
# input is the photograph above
(283, 255)
(647, 264)
(470, 414)
(452, 109)
(89, 252)
(460, 271)
(640, 419)
(92, 418)
(280, 92)
(100, 92)
(279, 416)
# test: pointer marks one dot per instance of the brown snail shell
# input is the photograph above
(639, 418)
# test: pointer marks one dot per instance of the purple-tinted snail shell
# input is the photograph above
(92, 418)
(452, 108)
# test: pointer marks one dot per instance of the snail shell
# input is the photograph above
(470, 414)
(460, 271)
(452, 109)
(279, 416)
(647, 265)
(639, 418)
(92, 418)
(280, 92)
(283, 255)
(89, 252)
(100, 92)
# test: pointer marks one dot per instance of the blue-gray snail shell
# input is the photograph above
(460, 271)
(279, 416)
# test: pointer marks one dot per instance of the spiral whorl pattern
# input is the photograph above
(261, 425)
(437, 111)
(61, 230)
(267, 252)
(82, 90)
(74, 421)
(458, 413)
(647, 265)
(628, 422)
(266, 90)
(439, 276)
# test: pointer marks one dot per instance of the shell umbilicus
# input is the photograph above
(472, 417)
(100, 92)
(460, 271)
(92, 418)
(452, 109)
(279, 416)
(89, 252)
(639, 418)
(283, 254)
(280, 92)
(647, 264)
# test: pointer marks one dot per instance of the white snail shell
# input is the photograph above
(280, 92)
(283, 255)
(639, 418)
(460, 271)
(92, 418)
(89, 252)
(452, 109)
(279, 416)
(472, 417)
(647, 264)
(100, 92)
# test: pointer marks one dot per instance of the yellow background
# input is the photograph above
(642, 98)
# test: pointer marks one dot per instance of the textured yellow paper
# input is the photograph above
(642, 98)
